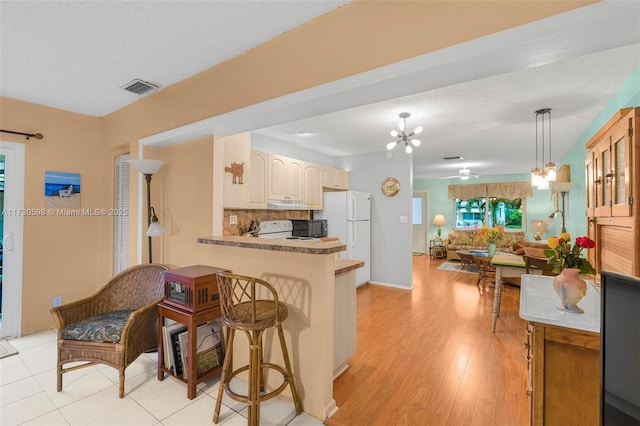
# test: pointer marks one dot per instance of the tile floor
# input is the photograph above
(89, 396)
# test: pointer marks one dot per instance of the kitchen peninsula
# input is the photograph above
(305, 275)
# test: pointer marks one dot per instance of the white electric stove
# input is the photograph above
(275, 229)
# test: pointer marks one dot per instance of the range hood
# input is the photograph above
(286, 205)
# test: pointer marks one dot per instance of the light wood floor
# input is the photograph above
(428, 356)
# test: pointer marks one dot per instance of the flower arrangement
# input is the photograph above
(562, 256)
(491, 235)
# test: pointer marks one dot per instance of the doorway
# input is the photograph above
(12, 228)
(420, 213)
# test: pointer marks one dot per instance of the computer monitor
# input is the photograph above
(620, 350)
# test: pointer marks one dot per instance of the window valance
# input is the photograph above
(466, 192)
(510, 190)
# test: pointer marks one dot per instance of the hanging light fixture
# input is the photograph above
(403, 137)
(540, 177)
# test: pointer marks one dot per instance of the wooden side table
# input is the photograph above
(437, 249)
(192, 320)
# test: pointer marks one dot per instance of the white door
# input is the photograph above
(419, 215)
(13, 225)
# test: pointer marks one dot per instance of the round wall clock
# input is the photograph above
(390, 187)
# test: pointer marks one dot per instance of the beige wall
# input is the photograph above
(187, 199)
(60, 252)
(299, 59)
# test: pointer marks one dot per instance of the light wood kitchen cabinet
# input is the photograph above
(313, 195)
(250, 190)
(335, 179)
(235, 190)
(563, 365)
(285, 180)
(612, 192)
(258, 180)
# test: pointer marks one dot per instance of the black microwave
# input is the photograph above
(313, 228)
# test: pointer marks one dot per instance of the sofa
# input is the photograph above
(469, 240)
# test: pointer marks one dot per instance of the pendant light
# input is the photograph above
(540, 177)
(403, 137)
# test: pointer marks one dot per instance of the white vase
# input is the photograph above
(571, 289)
(492, 249)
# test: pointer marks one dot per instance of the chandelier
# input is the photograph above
(541, 176)
(403, 137)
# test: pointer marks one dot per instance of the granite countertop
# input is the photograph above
(347, 265)
(292, 246)
(538, 301)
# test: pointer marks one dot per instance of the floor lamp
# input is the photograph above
(562, 188)
(148, 168)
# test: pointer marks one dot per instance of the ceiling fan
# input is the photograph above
(463, 174)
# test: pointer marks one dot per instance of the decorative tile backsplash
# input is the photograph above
(246, 216)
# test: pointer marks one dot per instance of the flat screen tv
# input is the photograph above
(620, 350)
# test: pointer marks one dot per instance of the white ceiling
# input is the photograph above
(476, 99)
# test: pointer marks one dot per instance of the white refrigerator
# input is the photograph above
(348, 215)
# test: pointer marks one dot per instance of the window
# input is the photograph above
(476, 212)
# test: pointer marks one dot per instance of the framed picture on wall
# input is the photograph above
(62, 190)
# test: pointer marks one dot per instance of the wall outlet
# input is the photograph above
(404, 219)
(57, 301)
(233, 219)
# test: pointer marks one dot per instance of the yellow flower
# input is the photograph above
(562, 255)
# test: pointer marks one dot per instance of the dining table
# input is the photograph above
(507, 266)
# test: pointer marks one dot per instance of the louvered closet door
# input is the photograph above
(121, 220)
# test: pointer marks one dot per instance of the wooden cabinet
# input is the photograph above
(313, 195)
(251, 177)
(285, 178)
(236, 154)
(344, 323)
(258, 180)
(250, 190)
(563, 375)
(335, 179)
(612, 191)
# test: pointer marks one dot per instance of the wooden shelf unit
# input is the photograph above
(192, 320)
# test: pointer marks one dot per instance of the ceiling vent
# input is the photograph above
(457, 157)
(140, 87)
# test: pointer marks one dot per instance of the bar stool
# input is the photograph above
(242, 311)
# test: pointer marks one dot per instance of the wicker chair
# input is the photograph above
(115, 325)
(539, 263)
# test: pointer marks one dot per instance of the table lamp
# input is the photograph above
(439, 220)
(539, 226)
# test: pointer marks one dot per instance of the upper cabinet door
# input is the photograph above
(335, 179)
(237, 170)
(313, 196)
(604, 175)
(621, 173)
(590, 185)
(285, 178)
(277, 187)
(295, 179)
(258, 181)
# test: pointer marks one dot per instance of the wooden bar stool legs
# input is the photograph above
(242, 311)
